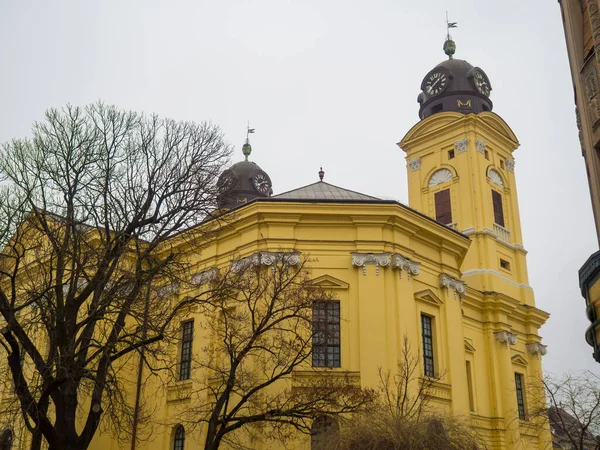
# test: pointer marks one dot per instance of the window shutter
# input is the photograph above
(443, 210)
(498, 212)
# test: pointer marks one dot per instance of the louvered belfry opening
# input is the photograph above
(443, 210)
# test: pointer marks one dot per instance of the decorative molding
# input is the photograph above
(362, 259)
(329, 282)
(401, 263)
(505, 337)
(536, 348)
(480, 146)
(495, 272)
(266, 259)
(459, 287)
(469, 347)
(518, 359)
(167, 290)
(427, 295)
(510, 165)
(205, 276)
(461, 146)
(439, 177)
(415, 164)
(495, 178)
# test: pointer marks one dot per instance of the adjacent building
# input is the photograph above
(581, 21)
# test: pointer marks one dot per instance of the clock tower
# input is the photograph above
(461, 172)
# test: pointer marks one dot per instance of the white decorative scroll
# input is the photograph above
(461, 146)
(440, 176)
(401, 263)
(415, 164)
(510, 165)
(204, 277)
(362, 259)
(495, 177)
(505, 337)
(535, 348)
(266, 259)
(459, 287)
(480, 145)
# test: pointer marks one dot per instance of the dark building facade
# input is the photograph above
(581, 21)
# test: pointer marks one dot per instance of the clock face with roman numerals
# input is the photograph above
(436, 83)
(482, 83)
(262, 183)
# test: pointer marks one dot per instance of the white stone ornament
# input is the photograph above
(363, 259)
(206, 276)
(480, 146)
(535, 348)
(415, 164)
(459, 287)
(461, 146)
(510, 165)
(439, 177)
(266, 259)
(401, 263)
(505, 337)
(495, 178)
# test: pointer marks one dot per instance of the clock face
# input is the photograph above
(226, 181)
(482, 83)
(436, 83)
(261, 183)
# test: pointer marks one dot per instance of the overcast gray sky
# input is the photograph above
(331, 83)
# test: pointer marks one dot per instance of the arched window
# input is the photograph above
(6, 439)
(179, 440)
(439, 177)
(325, 432)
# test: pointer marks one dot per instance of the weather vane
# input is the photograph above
(449, 45)
(247, 148)
(249, 131)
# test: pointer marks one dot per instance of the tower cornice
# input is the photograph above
(453, 124)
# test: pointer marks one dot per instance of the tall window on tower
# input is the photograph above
(520, 395)
(185, 360)
(326, 334)
(427, 335)
(498, 211)
(443, 210)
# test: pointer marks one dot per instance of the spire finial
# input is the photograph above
(247, 148)
(321, 174)
(449, 45)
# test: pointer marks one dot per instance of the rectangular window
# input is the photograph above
(450, 154)
(470, 387)
(520, 395)
(326, 334)
(185, 360)
(504, 264)
(427, 333)
(443, 210)
(498, 211)
(502, 164)
(487, 154)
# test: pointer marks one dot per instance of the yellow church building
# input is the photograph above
(448, 271)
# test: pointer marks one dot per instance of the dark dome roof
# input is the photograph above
(237, 185)
(459, 93)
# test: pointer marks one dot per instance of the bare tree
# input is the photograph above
(88, 205)
(257, 366)
(402, 416)
(573, 409)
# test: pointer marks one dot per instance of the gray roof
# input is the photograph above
(323, 191)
